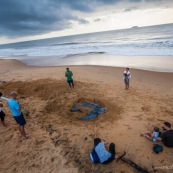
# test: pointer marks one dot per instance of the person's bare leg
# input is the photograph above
(69, 85)
(20, 130)
(73, 84)
(23, 131)
(146, 133)
(148, 136)
(125, 86)
(128, 86)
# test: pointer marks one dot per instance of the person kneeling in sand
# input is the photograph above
(153, 134)
(167, 136)
(100, 154)
(16, 112)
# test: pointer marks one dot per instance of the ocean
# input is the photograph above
(136, 41)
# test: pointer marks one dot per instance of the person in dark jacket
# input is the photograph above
(167, 136)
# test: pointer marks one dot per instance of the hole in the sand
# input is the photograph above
(89, 109)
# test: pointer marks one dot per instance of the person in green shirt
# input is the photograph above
(69, 75)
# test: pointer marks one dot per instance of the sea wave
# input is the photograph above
(162, 48)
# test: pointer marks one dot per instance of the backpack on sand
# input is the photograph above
(157, 148)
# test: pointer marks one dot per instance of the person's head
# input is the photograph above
(166, 126)
(13, 95)
(127, 69)
(67, 69)
(156, 129)
(97, 141)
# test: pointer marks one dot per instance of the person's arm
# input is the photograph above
(4, 98)
(19, 110)
(71, 73)
(130, 75)
(17, 107)
(161, 137)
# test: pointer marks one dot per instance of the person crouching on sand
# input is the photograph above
(69, 75)
(100, 154)
(167, 136)
(126, 77)
(16, 112)
(2, 115)
(153, 134)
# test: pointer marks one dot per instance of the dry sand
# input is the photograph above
(60, 142)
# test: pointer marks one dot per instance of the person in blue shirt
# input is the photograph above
(100, 153)
(16, 112)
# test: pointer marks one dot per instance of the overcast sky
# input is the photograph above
(22, 20)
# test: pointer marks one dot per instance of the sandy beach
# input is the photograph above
(59, 141)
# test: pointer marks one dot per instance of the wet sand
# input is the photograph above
(60, 141)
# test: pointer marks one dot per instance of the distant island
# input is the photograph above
(135, 27)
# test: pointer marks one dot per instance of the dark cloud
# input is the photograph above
(32, 17)
(22, 18)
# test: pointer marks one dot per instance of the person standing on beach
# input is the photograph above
(16, 112)
(127, 76)
(69, 75)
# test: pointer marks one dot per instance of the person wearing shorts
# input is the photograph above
(17, 113)
(69, 75)
(126, 76)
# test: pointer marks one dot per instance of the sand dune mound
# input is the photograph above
(59, 98)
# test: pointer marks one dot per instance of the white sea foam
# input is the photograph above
(131, 49)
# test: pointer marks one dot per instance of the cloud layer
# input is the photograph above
(33, 17)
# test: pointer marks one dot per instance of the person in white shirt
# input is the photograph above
(126, 77)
